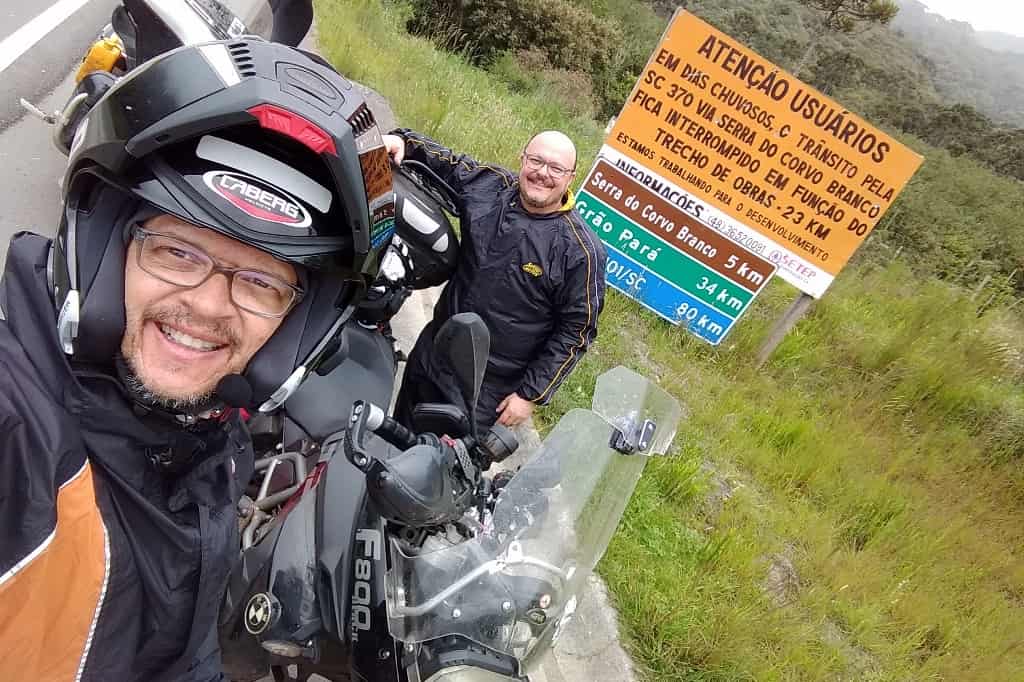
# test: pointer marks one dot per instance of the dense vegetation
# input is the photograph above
(966, 66)
(855, 509)
(968, 100)
(955, 221)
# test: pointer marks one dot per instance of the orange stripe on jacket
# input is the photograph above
(50, 604)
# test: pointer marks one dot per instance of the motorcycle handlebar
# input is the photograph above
(497, 444)
(388, 429)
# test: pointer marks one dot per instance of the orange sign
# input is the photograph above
(761, 147)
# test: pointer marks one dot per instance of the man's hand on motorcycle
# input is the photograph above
(513, 410)
(395, 146)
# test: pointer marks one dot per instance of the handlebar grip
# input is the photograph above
(396, 434)
(390, 430)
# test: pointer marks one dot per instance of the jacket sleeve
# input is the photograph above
(28, 506)
(455, 169)
(29, 471)
(580, 301)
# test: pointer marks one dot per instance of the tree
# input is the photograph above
(960, 128)
(845, 15)
(835, 70)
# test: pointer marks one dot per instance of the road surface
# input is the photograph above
(41, 46)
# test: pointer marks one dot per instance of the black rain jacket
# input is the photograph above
(537, 281)
(109, 569)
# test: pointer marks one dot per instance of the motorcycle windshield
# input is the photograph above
(514, 585)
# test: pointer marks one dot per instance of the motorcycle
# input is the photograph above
(138, 31)
(399, 558)
(372, 552)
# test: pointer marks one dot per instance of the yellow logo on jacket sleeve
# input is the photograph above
(533, 269)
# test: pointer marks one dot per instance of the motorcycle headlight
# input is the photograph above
(465, 673)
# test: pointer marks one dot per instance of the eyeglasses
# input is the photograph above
(534, 162)
(185, 265)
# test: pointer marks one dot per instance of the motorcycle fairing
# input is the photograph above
(242, 656)
(322, 404)
(513, 587)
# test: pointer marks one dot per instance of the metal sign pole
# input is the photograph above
(797, 309)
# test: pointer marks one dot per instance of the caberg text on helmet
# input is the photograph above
(258, 199)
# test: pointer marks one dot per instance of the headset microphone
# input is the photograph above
(234, 390)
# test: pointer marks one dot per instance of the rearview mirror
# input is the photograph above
(440, 418)
(466, 344)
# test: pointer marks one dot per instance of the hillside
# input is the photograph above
(1000, 42)
(963, 67)
(853, 510)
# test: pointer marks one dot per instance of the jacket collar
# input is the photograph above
(568, 204)
(569, 201)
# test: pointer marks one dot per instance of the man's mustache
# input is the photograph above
(182, 316)
(541, 179)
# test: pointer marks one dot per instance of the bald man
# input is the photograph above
(527, 265)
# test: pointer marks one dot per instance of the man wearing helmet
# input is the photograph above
(186, 329)
(527, 265)
(223, 215)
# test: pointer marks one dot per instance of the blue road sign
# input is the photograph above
(664, 298)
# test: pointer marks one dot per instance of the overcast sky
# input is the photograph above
(1006, 16)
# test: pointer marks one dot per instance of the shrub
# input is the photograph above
(570, 37)
(528, 71)
(562, 41)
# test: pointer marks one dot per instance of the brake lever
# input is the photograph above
(432, 481)
(353, 438)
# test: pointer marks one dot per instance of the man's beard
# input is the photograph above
(530, 201)
(143, 394)
(533, 202)
(139, 392)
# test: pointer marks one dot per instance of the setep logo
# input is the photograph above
(258, 199)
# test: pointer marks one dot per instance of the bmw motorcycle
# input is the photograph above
(412, 556)
(371, 552)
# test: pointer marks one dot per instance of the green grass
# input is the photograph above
(874, 468)
(433, 91)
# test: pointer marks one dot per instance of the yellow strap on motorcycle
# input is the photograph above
(102, 56)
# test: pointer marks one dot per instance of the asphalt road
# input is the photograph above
(39, 65)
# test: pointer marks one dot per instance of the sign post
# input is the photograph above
(721, 170)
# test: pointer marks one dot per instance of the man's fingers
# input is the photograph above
(395, 147)
(513, 410)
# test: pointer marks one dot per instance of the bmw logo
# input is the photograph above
(261, 612)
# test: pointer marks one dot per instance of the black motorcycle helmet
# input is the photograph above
(254, 140)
